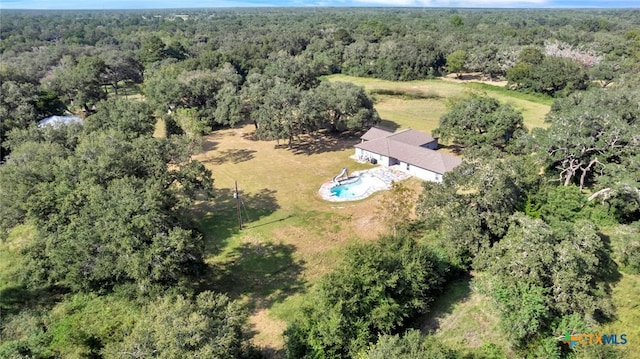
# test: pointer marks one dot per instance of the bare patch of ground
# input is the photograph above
(267, 332)
(474, 77)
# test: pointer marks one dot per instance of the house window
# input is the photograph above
(408, 166)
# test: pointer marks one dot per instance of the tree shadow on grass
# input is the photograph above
(454, 148)
(265, 272)
(16, 298)
(609, 273)
(209, 145)
(455, 292)
(219, 221)
(388, 125)
(250, 136)
(323, 142)
(234, 156)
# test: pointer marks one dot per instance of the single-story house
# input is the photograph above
(414, 152)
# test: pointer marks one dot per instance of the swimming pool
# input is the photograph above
(355, 188)
(361, 184)
(350, 190)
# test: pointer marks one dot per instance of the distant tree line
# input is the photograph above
(204, 62)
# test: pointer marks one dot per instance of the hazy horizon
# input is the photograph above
(194, 4)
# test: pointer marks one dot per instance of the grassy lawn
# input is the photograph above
(464, 319)
(424, 114)
(291, 236)
(11, 292)
(626, 294)
(626, 297)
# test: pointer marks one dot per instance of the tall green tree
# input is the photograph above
(213, 96)
(152, 50)
(17, 109)
(551, 75)
(208, 326)
(593, 139)
(108, 213)
(480, 121)
(379, 289)
(339, 106)
(535, 275)
(456, 62)
(32, 163)
(121, 66)
(279, 115)
(471, 208)
(130, 117)
(79, 83)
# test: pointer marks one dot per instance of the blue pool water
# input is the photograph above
(351, 190)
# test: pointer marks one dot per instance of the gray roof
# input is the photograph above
(375, 133)
(412, 137)
(405, 146)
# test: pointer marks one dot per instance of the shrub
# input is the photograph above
(378, 290)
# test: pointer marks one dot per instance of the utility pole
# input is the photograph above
(236, 195)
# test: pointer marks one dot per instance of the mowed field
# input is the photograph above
(291, 236)
(423, 114)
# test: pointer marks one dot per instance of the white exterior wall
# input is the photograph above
(363, 154)
(421, 173)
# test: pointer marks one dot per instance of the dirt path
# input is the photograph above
(474, 77)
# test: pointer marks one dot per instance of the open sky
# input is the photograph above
(159, 4)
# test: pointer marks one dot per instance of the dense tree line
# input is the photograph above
(395, 44)
(200, 64)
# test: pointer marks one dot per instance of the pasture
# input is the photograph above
(420, 104)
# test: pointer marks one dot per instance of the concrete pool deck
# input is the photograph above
(381, 180)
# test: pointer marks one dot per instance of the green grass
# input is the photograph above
(292, 236)
(465, 320)
(626, 299)
(12, 293)
(407, 94)
(532, 97)
(625, 296)
(398, 108)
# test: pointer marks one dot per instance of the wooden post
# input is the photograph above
(236, 195)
